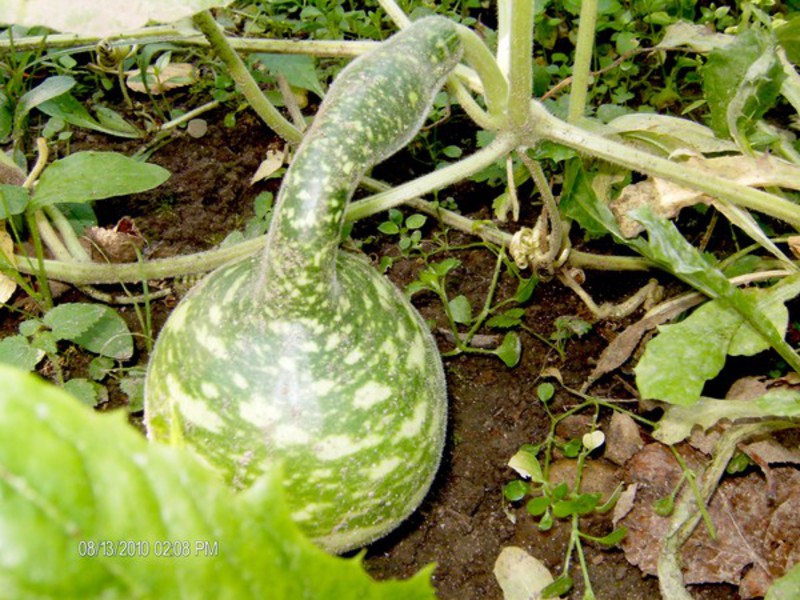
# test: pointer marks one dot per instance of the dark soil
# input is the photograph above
(465, 522)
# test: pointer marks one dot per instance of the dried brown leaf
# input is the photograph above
(755, 536)
(623, 439)
(172, 76)
(122, 243)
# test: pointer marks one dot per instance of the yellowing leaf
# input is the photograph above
(269, 165)
(172, 76)
(7, 285)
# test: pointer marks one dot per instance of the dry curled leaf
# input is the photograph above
(268, 166)
(7, 285)
(121, 243)
(666, 199)
(172, 76)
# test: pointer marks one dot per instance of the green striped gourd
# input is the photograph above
(306, 354)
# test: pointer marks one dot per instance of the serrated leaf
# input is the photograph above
(299, 69)
(92, 487)
(86, 176)
(520, 575)
(460, 309)
(84, 390)
(510, 318)
(100, 18)
(95, 327)
(15, 350)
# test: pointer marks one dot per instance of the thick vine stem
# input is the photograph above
(547, 126)
(244, 81)
(583, 59)
(520, 76)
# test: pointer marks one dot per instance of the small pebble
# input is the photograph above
(197, 128)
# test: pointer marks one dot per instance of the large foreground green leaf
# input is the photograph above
(89, 509)
(86, 176)
(100, 17)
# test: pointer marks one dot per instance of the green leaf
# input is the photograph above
(88, 392)
(510, 318)
(67, 108)
(780, 403)
(86, 176)
(443, 267)
(92, 510)
(613, 538)
(677, 363)
(460, 309)
(388, 228)
(13, 200)
(99, 367)
(525, 289)
(788, 36)
(536, 507)
(50, 88)
(515, 490)
(527, 464)
(559, 587)
(545, 391)
(416, 221)
(100, 18)
(579, 202)
(299, 69)
(510, 349)
(15, 350)
(95, 327)
(452, 151)
(741, 82)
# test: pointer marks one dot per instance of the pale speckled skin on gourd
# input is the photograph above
(307, 354)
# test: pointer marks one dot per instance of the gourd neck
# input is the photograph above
(375, 106)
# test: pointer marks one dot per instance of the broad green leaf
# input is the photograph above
(67, 108)
(92, 510)
(100, 18)
(389, 228)
(677, 363)
(515, 490)
(15, 350)
(13, 200)
(788, 36)
(50, 88)
(86, 176)
(667, 248)
(461, 309)
(95, 327)
(741, 82)
(299, 70)
(579, 202)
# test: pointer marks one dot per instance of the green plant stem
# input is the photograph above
(551, 212)
(244, 80)
(520, 74)
(495, 87)
(474, 110)
(395, 13)
(37, 269)
(487, 304)
(549, 127)
(50, 237)
(192, 114)
(685, 517)
(73, 245)
(436, 180)
(583, 60)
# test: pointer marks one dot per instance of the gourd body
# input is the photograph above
(306, 355)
